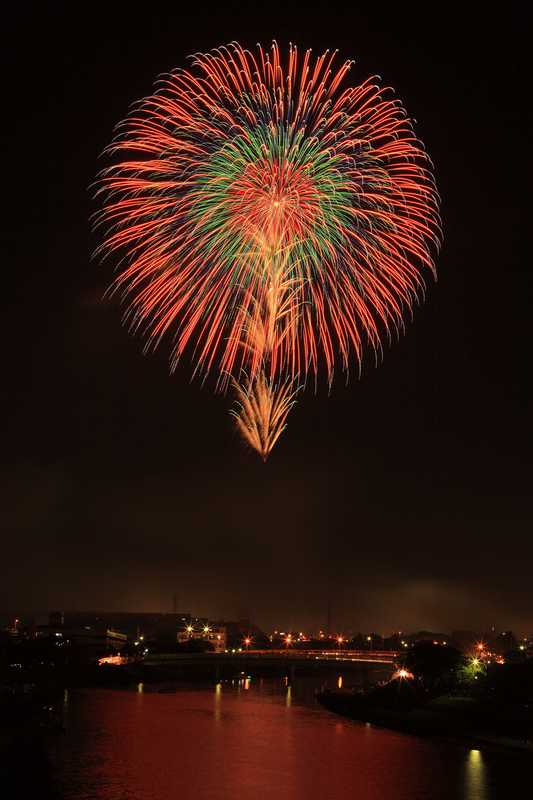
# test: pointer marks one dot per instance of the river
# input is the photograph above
(253, 739)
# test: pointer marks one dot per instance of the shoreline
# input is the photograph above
(423, 722)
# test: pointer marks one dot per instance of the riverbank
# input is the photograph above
(29, 718)
(457, 718)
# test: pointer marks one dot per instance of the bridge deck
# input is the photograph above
(278, 657)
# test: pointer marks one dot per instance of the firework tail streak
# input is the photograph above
(271, 218)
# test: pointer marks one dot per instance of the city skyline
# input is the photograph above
(164, 628)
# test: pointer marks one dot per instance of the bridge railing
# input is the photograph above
(373, 656)
(331, 655)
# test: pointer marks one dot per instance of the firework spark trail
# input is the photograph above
(267, 218)
(261, 412)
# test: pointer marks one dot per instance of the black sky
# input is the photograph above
(407, 495)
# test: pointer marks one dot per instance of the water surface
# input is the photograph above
(255, 739)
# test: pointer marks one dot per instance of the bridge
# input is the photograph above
(275, 659)
(369, 656)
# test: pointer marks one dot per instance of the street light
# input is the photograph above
(404, 673)
(247, 642)
(369, 640)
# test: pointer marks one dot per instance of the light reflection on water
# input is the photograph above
(256, 739)
(475, 778)
(288, 696)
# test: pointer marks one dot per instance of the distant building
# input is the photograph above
(466, 641)
(428, 636)
(505, 642)
(149, 625)
(90, 642)
(236, 632)
(56, 618)
(214, 634)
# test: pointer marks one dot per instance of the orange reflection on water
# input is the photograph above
(226, 744)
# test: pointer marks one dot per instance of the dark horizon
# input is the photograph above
(405, 497)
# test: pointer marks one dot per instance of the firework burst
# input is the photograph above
(271, 219)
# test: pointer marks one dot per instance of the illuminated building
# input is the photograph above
(214, 634)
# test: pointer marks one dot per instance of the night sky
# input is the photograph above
(404, 497)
